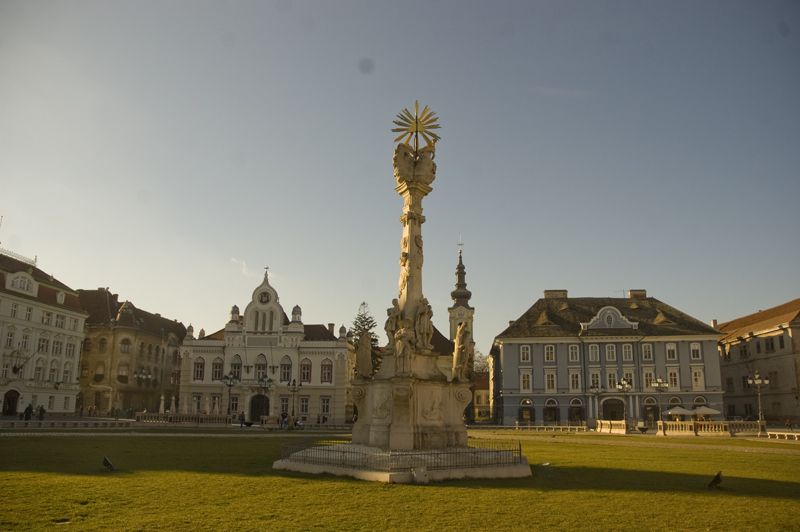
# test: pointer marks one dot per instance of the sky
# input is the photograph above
(171, 150)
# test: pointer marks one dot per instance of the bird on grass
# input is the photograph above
(107, 463)
(716, 481)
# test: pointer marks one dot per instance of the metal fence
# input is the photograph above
(481, 453)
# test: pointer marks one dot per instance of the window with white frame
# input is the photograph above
(611, 353)
(47, 318)
(549, 353)
(14, 308)
(611, 380)
(10, 339)
(66, 402)
(698, 379)
(52, 376)
(70, 350)
(26, 341)
(125, 346)
(44, 345)
(284, 401)
(73, 324)
(22, 283)
(58, 347)
(305, 370)
(325, 407)
(236, 367)
(627, 352)
(199, 369)
(629, 377)
(594, 379)
(574, 353)
(594, 353)
(234, 403)
(672, 352)
(695, 350)
(648, 378)
(525, 381)
(28, 313)
(217, 369)
(525, 354)
(38, 372)
(574, 381)
(60, 319)
(4, 369)
(550, 381)
(647, 352)
(673, 378)
(66, 375)
(261, 367)
(304, 406)
(286, 369)
(51, 402)
(326, 371)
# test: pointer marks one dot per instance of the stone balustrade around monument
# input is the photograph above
(194, 419)
(550, 427)
(86, 423)
(706, 428)
(607, 426)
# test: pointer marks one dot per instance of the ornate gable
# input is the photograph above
(609, 318)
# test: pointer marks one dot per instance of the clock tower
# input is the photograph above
(460, 311)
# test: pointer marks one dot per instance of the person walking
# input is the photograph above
(241, 420)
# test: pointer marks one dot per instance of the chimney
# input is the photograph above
(637, 293)
(330, 328)
(714, 323)
(555, 294)
(510, 323)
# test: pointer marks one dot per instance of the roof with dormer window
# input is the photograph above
(49, 286)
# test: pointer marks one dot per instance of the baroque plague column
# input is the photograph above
(414, 397)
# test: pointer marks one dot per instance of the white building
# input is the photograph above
(41, 330)
(263, 364)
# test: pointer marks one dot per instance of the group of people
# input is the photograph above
(27, 414)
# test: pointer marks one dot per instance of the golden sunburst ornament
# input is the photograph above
(412, 126)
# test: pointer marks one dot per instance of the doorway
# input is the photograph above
(259, 406)
(10, 402)
(613, 409)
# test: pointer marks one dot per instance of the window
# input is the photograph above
(286, 369)
(525, 354)
(729, 385)
(102, 345)
(773, 379)
(28, 313)
(44, 345)
(629, 378)
(66, 402)
(769, 345)
(647, 352)
(284, 405)
(66, 375)
(698, 380)
(234, 403)
(51, 402)
(10, 339)
(595, 380)
(550, 381)
(236, 367)
(47, 318)
(14, 308)
(648, 379)
(574, 382)
(38, 372)
(70, 350)
(573, 353)
(73, 324)
(22, 283)
(673, 378)
(199, 369)
(745, 382)
(304, 406)
(52, 376)
(758, 346)
(525, 382)
(743, 351)
(672, 352)
(549, 353)
(694, 348)
(611, 353)
(60, 319)
(594, 353)
(325, 407)
(125, 346)
(305, 370)
(26, 340)
(326, 375)
(627, 352)
(611, 380)
(58, 347)
(4, 370)
(261, 367)
(122, 373)
(217, 369)
(781, 344)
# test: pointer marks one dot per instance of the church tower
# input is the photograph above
(460, 311)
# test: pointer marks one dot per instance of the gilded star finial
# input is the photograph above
(412, 126)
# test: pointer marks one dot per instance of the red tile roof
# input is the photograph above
(49, 287)
(763, 319)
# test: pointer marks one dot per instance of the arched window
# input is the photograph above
(38, 372)
(576, 402)
(141, 349)
(236, 367)
(551, 403)
(674, 401)
(305, 370)
(526, 402)
(53, 375)
(102, 345)
(125, 346)
(66, 375)
(199, 369)
(122, 373)
(261, 366)
(700, 400)
(286, 369)
(326, 373)
(217, 369)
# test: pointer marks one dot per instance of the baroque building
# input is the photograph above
(563, 359)
(264, 364)
(766, 342)
(41, 330)
(130, 356)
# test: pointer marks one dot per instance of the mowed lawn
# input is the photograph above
(224, 481)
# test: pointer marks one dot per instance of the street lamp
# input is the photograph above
(230, 381)
(758, 380)
(660, 386)
(624, 386)
(293, 389)
(596, 391)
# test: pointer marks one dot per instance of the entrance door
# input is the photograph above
(10, 401)
(613, 409)
(259, 406)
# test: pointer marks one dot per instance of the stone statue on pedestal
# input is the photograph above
(364, 356)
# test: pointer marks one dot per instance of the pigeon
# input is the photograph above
(107, 463)
(716, 481)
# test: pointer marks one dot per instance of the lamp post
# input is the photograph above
(596, 391)
(230, 381)
(293, 389)
(265, 385)
(660, 386)
(142, 376)
(758, 380)
(624, 386)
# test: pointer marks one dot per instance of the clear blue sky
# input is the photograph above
(169, 150)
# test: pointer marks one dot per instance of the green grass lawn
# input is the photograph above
(192, 481)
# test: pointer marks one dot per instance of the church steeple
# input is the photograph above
(460, 311)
